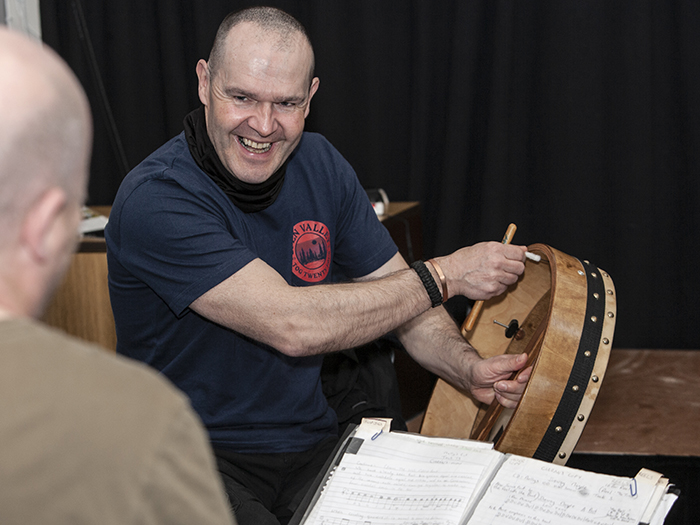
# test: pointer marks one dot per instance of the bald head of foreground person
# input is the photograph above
(45, 142)
(88, 437)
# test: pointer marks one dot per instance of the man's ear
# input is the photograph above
(312, 91)
(203, 85)
(42, 223)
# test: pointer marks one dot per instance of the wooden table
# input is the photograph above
(649, 404)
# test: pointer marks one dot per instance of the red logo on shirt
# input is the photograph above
(311, 251)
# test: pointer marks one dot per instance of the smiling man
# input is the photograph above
(223, 248)
(256, 94)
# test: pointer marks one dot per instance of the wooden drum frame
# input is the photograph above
(565, 310)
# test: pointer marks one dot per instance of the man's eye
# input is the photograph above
(240, 98)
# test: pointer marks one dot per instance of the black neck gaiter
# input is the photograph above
(247, 197)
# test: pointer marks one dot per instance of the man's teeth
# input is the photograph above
(255, 147)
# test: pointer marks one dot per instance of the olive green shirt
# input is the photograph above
(89, 437)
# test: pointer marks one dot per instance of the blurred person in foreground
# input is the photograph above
(86, 437)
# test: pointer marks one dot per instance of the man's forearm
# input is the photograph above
(434, 341)
(348, 315)
(317, 319)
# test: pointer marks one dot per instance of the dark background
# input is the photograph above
(578, 120)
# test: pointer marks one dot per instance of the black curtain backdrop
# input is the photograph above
(578, 120)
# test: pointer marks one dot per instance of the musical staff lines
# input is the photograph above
(386, 502)
(366, 491)
(346, 521)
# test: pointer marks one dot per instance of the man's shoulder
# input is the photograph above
(84, 427)
(312, 141)
(168, 175)
(107, 379)
(165, 163)
(101, 399)
(316, 153)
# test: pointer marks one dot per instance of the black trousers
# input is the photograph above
(266, 489)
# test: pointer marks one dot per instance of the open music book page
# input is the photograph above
(390, 478)
(526, 490)
(395, 478)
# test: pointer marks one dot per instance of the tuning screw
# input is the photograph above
(511, 328)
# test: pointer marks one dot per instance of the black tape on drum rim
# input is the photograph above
(582, 370)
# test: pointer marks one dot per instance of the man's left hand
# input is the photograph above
(491, 379)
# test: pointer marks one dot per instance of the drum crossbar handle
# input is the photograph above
(476, 309)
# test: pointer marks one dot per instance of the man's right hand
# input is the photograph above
(484, 270)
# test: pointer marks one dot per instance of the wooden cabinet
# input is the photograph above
(81, 304)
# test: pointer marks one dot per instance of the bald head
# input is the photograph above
(45, 126)
(45, 143)
(271, 24)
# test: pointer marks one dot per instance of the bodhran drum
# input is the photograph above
(561, 312)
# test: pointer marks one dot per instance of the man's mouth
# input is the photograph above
(255, 147)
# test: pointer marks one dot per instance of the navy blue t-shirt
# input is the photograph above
(173, 235)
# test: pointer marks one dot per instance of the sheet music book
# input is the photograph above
(394, 478)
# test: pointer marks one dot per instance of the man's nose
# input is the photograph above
(263, 119)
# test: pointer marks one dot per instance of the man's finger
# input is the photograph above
(512, 363)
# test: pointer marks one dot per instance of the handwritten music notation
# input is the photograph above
(371, 490)
(527, 491)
